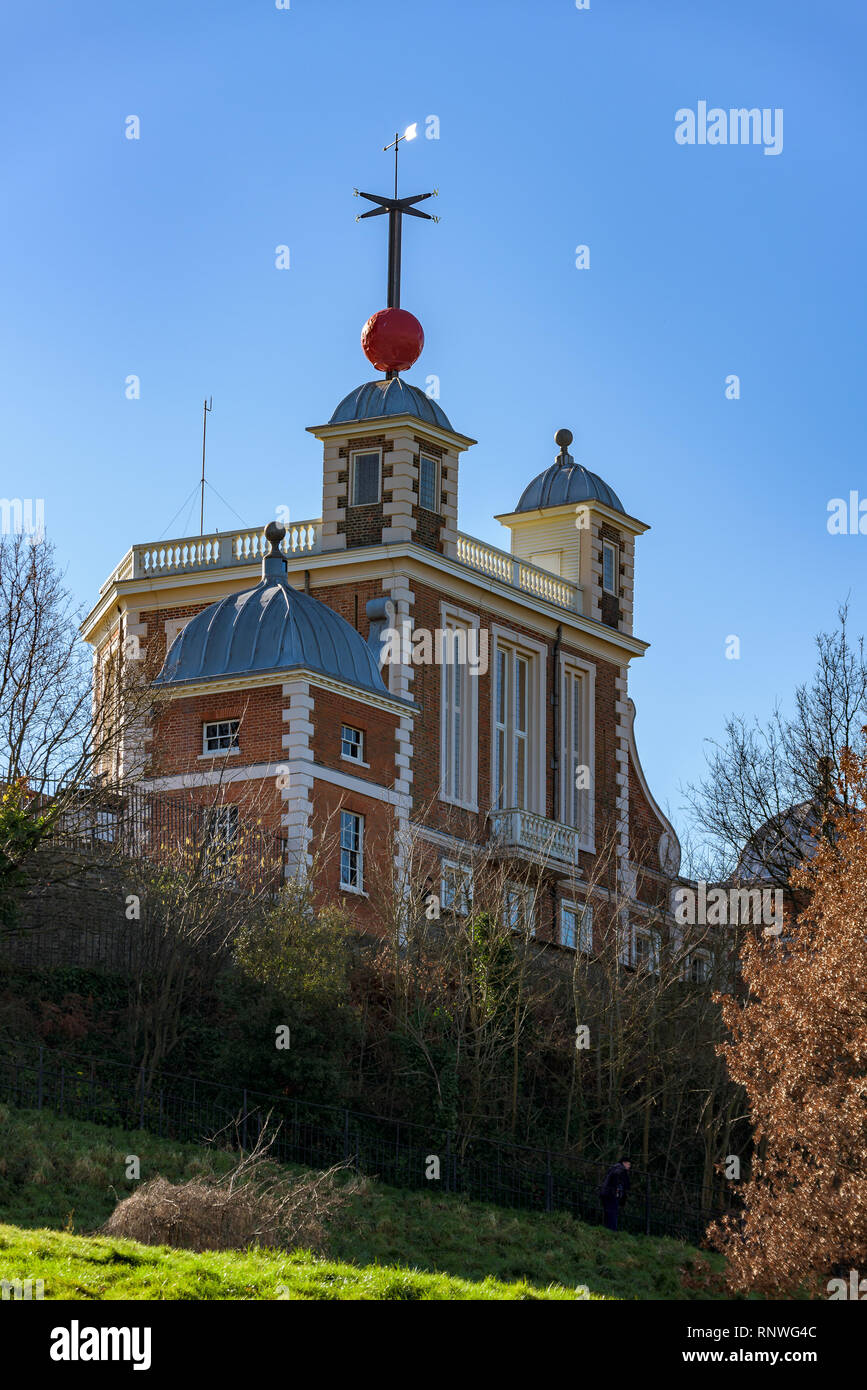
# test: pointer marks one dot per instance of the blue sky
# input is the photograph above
(156, 257)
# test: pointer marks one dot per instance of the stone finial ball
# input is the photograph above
(563, 438)
(274, 534)
(392, 339)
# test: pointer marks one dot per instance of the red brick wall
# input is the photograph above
(379, 825)
(155, 620)
(177, 735)
(330, 712)
(428, 525)
(363, 525)
(610, 602)
(645, 826)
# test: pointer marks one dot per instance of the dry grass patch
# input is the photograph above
(257, 1203)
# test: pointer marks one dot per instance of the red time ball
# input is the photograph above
(392, 340)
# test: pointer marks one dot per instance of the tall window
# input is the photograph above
(511, 729)
(609, 567)
(456, 887)
(576, 749)
(459, 698)
(576, 927)
(222, 832)
(518, 908)
(427, 483)
(351, 851)
(365, 478)
(699, 967)
(646, 949)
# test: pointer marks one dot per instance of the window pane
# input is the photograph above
(350, 743)
(499, 766)
(521, 696)
(350, 849)
(366, 479)
(609, 576)
(457, 728)
(521, 772)
(221, 734)
(587, 929)
(567, 928)
(427, 477)
(501, 687)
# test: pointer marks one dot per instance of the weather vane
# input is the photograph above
(392, 339)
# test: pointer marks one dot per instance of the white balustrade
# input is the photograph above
(499, 564)
(549, 839)
(221, 550)
(246, 546)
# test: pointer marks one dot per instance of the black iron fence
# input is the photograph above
(206, 830)
(399, 1153)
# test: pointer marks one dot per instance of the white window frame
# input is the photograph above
(525, 898)
(429, 458)
(459, 783)
(706, 958)
(583, 915)
(577, 808)
(615, 567)
(654, 937)
(358, 756)
(535, 653)
(459, 877)
(345, 884)
(223, 823)
(354, 456)
(234, 735)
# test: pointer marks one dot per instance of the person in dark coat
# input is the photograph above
(614, 1191)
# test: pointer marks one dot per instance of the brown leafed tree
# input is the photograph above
(799, 1047)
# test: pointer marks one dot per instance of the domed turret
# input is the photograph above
(566, 483)
(570, 522)
(269, 628)
(393, 396)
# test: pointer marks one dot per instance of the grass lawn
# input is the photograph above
(66, 1175)
(100, 1267)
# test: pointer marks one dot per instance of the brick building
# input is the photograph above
(379, 680)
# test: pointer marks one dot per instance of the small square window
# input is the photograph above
(221, 736)
(427, 483)
(352, 743)
(609, 567)
(351, 850)
(365, 479)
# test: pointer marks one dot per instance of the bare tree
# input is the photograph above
(45, 695)
(56, 730)
(768, 785)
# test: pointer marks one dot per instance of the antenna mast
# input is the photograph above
(208, 406)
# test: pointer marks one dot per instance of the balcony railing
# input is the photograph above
(542, 838)
(245, 546)
(520, 574)
(222, 550)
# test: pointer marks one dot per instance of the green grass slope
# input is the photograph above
(103, 1268)
(67, 1175)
